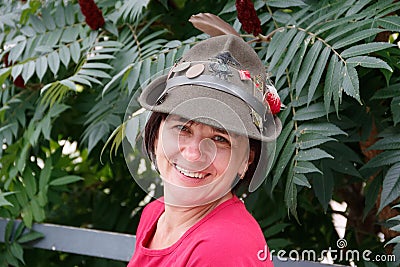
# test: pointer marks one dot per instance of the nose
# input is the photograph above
(198, 150)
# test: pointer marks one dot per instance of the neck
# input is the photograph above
(184, 217)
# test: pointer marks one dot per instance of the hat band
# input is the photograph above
(221, 85)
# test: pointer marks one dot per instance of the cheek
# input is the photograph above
(166, 144)
(223, 161)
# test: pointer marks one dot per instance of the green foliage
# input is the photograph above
(335, 66)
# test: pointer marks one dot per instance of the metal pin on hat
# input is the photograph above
(195, 71)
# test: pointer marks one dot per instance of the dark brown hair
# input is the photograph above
(151, 133)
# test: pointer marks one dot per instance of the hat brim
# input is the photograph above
(208, 106)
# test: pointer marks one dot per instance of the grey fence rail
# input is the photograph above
(103, 244)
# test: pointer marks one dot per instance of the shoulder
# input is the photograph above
(150, 214)
(230, 237)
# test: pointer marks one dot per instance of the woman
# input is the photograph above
(208, 133)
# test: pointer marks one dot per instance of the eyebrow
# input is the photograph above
(191, 122)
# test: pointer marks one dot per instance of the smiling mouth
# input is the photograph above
(196, 175)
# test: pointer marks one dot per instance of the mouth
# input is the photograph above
(195, 175)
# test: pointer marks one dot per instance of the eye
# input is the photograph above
(221, 139)
(182, 128)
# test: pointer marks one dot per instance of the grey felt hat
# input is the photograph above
(221, 82)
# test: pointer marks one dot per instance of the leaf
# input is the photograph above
(27, 216)
(308, 140)
(307, 66)
(79, 79)
(312, 154)
(391, 23)
(395, 108)
(297, 60)
(37, 24)
(48, 19)
(286, 3)
(17, 251)
(16, 71)
(31, 236)
(212, 24)
(29, 182)
(395, 218)
(391, 186)
(322, 128)
(54, 62)
(71, 85)
(275, 42)
(357, 6)
(52, 38)
(301, 179)
(16, 51)
(317, 74)
(283, 44)
(75, 51)
(94, 73)
(350, 82)
(313, 111)
(363, 49)
(294, 46)
(28, 71)
(369, 62)
(341, 32)
(4, 201)
(283, 161)
(59, 16)
(70, 34)
(96, 135)
(4, 73)
(291, 194)
(323, 187)
(387, 143)
(283, 137)
(389, 92)
(111, 27)
(331, 83)
(305, 167)
(65, 55)
(382, 159)
(37, 211)
(41, 67)
(66, 180)
(145, 73)
(43, 49)
(334, 24)
(371, 195)
(69, 14)
(96, 65)
(355, 37)
(323, 15)
(133, 76)
(275, 229)
(45, 174)
(395, 240)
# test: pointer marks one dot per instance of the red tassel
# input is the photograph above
(248, 17)
(93, 15)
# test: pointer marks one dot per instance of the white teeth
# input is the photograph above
(190, 174)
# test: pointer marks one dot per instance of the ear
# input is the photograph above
(252, 155)
(247, 163)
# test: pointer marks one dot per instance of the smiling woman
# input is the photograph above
(209, 130)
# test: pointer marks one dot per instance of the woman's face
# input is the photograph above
(191, 154)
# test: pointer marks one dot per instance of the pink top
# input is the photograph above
(227, 236)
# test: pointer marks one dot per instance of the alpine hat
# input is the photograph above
(218, 81)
